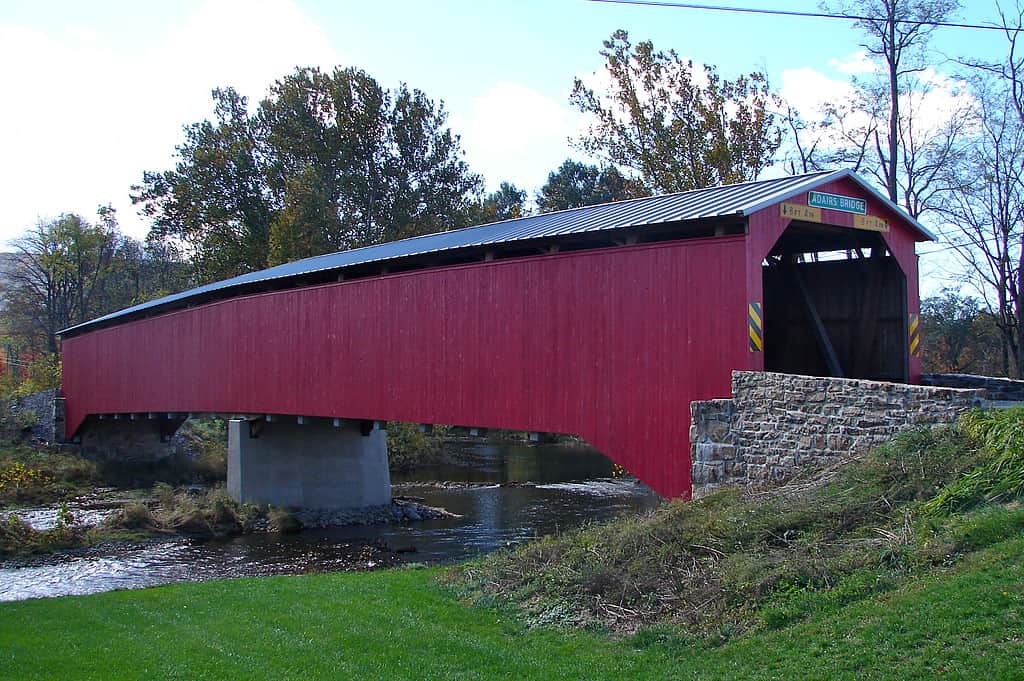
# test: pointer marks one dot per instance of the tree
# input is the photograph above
(431, 188)
(507, 203)
(59, 277)
(329, 161)
(67, 270)
(905, 156)
(984, 216)
(374, 165)
(307, 223)
(216, 200)
(677, 127)
(959, 336)
(807, 136)
(576, 184)
(1009, 71)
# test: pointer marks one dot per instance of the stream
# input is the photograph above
(505, 494)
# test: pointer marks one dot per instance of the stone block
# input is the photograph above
(757, 472)
(777, 422)
(719, 431)
(724, 452)
(704, 451)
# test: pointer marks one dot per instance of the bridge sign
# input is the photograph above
(846, 204)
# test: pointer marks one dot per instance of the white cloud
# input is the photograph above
(82, 120)
(809, 91)
(943, 97)
(83, 33)
(240, 43)
(517, 134)
(856, 64)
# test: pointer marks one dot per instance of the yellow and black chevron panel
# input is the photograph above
(755, 327)
(914, 331)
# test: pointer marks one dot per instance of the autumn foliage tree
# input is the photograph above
(960, 336)
(677, 126)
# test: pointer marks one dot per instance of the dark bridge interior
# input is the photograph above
(834, 305)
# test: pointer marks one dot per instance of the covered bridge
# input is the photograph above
(604, 322)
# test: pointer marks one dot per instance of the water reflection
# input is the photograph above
(572, 485)
(514, 462)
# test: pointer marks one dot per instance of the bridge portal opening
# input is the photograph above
(835, 304)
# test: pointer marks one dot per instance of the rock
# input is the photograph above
(397, 511)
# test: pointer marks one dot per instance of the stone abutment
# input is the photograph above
(776, 424)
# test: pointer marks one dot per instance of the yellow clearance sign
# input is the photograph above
(795, 211)
(870, 223)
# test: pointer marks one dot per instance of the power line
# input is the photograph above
(794, 13)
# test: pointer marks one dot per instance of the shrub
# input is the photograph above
(212, 512)
(206, 443)
(283, 521)
(15, 535)
(40, 475)
(131, 516)
(42, 373)
(1000, 436)
(26, 419)
(19, 482)
(408, 447)
(18, 537)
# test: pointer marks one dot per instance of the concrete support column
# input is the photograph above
(314, 464)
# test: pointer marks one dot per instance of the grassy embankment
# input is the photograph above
(730, 562)
(33, 474)
(905, 565)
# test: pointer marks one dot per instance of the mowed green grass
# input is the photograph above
(964, 624)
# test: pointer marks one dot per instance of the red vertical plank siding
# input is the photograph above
(611, 345)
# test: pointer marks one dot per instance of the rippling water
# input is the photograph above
(46, 518)
(569, 486)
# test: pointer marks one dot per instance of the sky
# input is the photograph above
(95, 93)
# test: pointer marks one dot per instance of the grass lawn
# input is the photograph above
(965, 624)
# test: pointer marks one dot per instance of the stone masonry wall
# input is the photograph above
(996, 389)
(36, 416)
(777, 423)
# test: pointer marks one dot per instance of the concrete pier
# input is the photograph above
(313, 464)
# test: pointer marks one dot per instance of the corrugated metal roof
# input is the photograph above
(735, 199)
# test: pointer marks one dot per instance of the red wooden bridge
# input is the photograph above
(604, 321)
